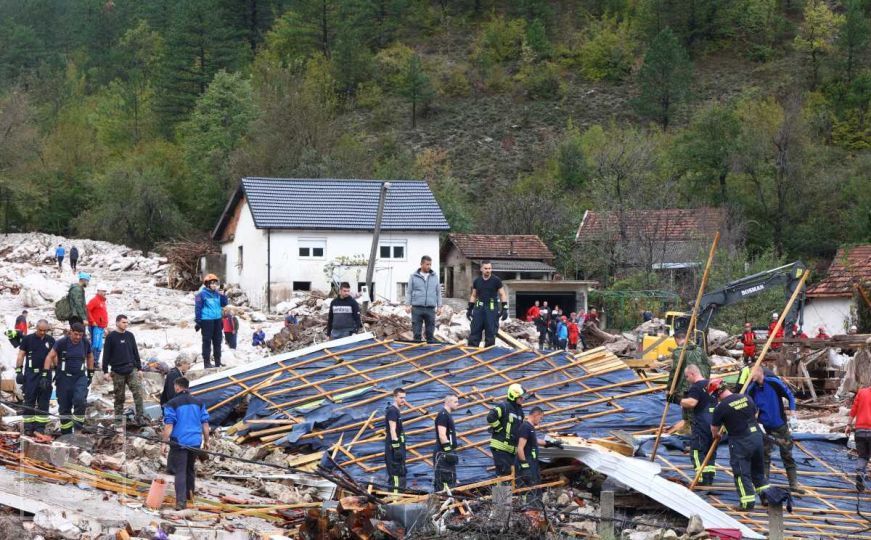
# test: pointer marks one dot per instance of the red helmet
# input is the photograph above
(714, 386)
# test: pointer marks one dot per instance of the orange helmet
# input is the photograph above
(210, 277)
(714, 386)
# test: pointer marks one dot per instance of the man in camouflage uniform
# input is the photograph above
(122, 359)
(694, 356)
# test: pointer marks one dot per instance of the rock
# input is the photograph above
(695, 525)
(85, 458)
(257, 316)
(54, 453)
(54, 524)
(668, 534)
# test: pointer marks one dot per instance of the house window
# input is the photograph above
(392, 250)
(302, 285)
(239, 253)
(401, 290)
(312, 248)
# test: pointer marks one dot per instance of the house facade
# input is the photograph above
(833, 302)
(522, 261)
(281, 235)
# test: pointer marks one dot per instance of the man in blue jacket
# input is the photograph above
(186, 429)
(209, 304)
(423, 298)
(768, 392)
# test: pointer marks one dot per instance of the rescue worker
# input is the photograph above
(574, 332)
(185, 430)
(533, 312)
(541, 326)
(182, 365)
(21, 323)
(821, 333)
(445, 453)
(737, 413)
(76, 296)
(344, 316)
(527, 455)
(487, 305)
(694, 356)
(209, 303)
(748, 340)
(122, 366)
(98, 321)
(28, 372)
(394, 442)
(74, 362)
(505, 420)
(768, 392)
(860, 423)
(702, 404)
(778, 337)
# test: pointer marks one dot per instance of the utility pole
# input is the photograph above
(370, 269)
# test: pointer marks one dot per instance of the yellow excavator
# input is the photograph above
(660, 344)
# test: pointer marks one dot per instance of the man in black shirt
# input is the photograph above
(29, 367)
(487, 304)
(394, 442)
(527, 455)
(702, 404)
(121, 357)
(445, 453)
(344, 317)
(737, 413)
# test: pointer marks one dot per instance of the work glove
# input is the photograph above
(90, 376)
(524, 464)
(469, 310)
(504, 314)
(396, 445)
(45, 382)
(19, 376)
(446, 448)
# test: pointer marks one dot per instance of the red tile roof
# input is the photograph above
(851, 266)
(673, 224)
(508, 246)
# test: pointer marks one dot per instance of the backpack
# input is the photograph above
(62, 309)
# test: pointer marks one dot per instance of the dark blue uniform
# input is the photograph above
(72, 381)
(529, 472)
(394, 450)
(505, 421)
(35, 350)
(738, 414)
(444, 455)
(485, 317)
(701, 438)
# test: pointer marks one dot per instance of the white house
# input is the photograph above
(833, 302)
(280, 235)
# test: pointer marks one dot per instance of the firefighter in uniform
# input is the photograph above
(487, 305)
(737, 413)
(527, 455)
(28, 373)
(694, 355)
(505, 420)
(74, 363)
(702, 404)
(394, 442)
(445, 453)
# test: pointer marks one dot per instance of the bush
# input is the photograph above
(609, 51)
(369, 95)
(500, 41)
(497, 81)
(543, 82)
(391, 64)
(453, 81)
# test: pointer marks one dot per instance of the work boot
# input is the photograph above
(749, 507)
(860, 482)
(707, 479)
(763, 500)
(792, 476)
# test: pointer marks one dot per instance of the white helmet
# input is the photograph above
(775, 315)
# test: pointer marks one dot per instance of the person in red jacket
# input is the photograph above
(21, 323)
(574, 332)
(778, 337)
(98, 320)
(797, 332)
(821, 334)
(860, 422)
(533, 312)
(748, 340)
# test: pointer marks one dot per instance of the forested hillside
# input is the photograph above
(131, 121)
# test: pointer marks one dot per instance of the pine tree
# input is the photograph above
(854, 37)
(416, 87)
(664, 78)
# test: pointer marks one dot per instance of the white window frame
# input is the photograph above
(392, 244)
(240, 255)
(311, 244)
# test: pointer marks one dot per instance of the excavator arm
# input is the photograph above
(787, 276)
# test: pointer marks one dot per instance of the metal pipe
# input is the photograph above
(370, 269)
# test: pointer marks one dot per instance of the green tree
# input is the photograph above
(416, 87)
(817, 35)
(570, 163)
(608, 52)
(703, 153)
(19, 154)
(198, 45)
(215, 128)
(664, 78)
(853, 38)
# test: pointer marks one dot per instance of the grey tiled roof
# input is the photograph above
(297, 203)
(521, 266)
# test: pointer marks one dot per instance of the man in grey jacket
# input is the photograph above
(423, 296)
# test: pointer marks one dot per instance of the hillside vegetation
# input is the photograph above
(132, 121)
